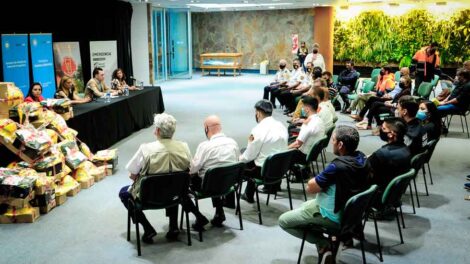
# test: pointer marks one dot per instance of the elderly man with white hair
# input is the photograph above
(161, 156)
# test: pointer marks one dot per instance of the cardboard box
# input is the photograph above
(10, 95)
(86, 183)
(17, 202)
(46, 209)
(24, 215)
(60, 199)
(74, 191)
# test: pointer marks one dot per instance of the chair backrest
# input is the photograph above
(355, 210)
(276, 166)
(397, 76)
(163, 189)
(396, 188)
(418, 161)
(315, 150)
(430, 146)
(425, 90)
(219, 180)
(374, 76)
(335, 79)
(329, 132)
(368, 86)
(435, 80)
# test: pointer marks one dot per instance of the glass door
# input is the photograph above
(159, 45)
(179, 52)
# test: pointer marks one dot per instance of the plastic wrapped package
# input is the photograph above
(86, 150)
(17, 186)
(35, 139)
(73, 156)
(8, 130)
(10, 96)
(59, 106)
(27, 111)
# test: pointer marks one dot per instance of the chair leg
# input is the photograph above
(238, 210)
(362, 249)
(412, 199)
(461, 122)
(430, 173)
(399, 227)
(402, 220)
(137, 233)
(259, 208)
(302, 247)
(289, 193)
(318, 168)
(378, 240)
(416, 192)
(425, 181)
(303, 189)
(182, 216)
(128, 225)
(188, 229)
(466, 125)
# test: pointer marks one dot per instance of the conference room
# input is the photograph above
(324, 131)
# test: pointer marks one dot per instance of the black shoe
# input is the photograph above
(247, 199)
(200, 223)
(468, 177)
(147, 237)
(269, 190)
(172, 234)
(218, 220)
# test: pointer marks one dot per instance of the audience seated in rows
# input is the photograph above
(407, 109)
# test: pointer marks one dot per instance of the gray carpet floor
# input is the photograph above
(91, 227)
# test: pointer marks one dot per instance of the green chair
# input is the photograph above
(368, 86)
(374, 76)
(430, 146)
(392, 197)
(219, 182)
(274, 170)
(158, 191)
(434, 84)
(424, 90)
(353, 94)
(463, 116)
(397, 76)
(326, 141)
(312, 156)
(353, 216)
(335, 79)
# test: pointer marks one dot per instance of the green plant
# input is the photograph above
(373, 37)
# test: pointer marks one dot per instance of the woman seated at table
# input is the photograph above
(34, 93)
(119, 81)
(67, 91)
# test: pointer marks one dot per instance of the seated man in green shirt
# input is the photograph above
(344, 177)
(161, 156)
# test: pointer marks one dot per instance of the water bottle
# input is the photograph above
(126, 91)
(108, 97)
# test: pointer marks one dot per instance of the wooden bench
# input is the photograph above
(234, 62)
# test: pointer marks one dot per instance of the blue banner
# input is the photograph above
(42, 62)
(15, 60)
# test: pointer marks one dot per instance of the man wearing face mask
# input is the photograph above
(393, 158)
(316, 58)
(302, 54)
(407, 109)
(217, 150)
(426, 61)
(459, 99)
(298, 84)
(268, 137)
(311, 131)
(281, 79)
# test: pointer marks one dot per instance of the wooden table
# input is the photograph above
(234, 62)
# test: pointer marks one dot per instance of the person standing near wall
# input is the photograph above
(427, 62)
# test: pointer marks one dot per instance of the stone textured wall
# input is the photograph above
(259, 35)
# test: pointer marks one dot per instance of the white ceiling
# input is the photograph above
(274, 4)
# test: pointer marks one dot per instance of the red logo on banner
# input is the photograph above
(69, 67)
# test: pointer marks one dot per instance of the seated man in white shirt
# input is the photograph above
(268, 137)
(161, 156)
(326, 110)
(218, 150)
(310, 132)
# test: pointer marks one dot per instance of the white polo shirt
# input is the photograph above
(310, 131)
(270, 137)
(219, 150)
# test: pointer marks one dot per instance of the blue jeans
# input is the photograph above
(447, 109)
